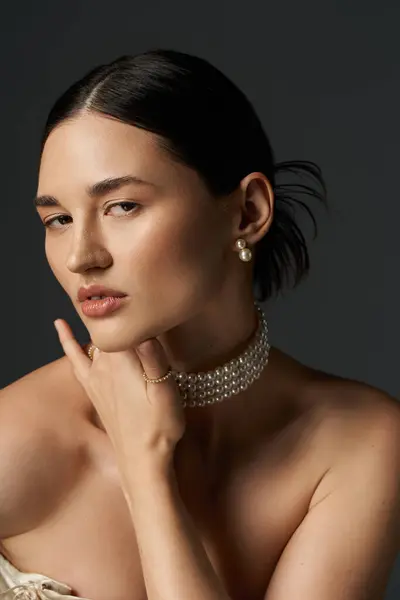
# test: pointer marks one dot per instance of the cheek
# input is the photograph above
(176, 257)
(201, 244)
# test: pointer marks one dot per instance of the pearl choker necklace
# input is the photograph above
(235, 376)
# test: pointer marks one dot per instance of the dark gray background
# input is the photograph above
(324, 78)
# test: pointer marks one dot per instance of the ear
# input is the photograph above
(257, 206)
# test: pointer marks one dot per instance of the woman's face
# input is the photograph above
(168, 248)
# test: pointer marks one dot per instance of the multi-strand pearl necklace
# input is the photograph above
(235, 376)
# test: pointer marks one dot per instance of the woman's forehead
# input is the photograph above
(100, 137)
(93, 148)
(88, 149)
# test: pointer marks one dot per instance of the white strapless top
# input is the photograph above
(16, 585)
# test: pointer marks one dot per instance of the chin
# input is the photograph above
(107, 344)
(118, 334)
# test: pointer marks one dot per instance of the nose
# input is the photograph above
(87, 252)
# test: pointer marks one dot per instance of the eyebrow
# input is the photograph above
(96, 190)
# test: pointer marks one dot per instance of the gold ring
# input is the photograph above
(91, 350)
(158, 379)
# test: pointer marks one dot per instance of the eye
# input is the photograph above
(124, 204)
(49, 222)
(129, 205)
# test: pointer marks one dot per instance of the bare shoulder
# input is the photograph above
(351, 524)
(357, 424)
(41, 406)
(39, 391)
(36, 431)
(24, 399)
(351, 405)
(336, 406)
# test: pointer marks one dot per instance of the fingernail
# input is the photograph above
(56, 323)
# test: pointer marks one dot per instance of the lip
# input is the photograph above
(101, 308)
(98, 290)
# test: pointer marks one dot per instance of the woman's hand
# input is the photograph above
(140, 418)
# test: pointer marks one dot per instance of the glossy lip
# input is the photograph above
(101, 308)
(98, 290)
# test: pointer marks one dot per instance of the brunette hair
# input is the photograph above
(207, 123)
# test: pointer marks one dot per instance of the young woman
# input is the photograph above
(178, 455)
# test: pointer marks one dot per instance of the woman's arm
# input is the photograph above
(174, 562)
(346, 546)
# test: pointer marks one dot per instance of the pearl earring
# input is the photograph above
(245, 254)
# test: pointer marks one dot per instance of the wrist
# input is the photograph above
(147, 478)
(148, 465)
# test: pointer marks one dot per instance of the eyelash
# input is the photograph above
(49, 222)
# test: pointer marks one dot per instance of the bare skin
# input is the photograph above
(67, 517)
(249, 469)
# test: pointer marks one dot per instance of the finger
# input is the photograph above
(79, 359)
(90, 348)
(153, 358)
